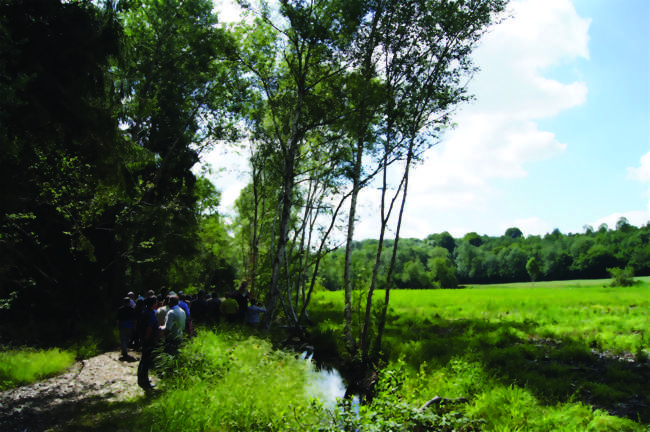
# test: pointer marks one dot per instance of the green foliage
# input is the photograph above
(443, 272)
(26, 365)
(532, 267)
(503, 259)
(107, 108)
(444, 240)
(526, 358)
(180, 92)
(88, 347)
(622, 277)
(514, 233)
(61, 162)
(241, 383)
(228, 381)
(393, 409)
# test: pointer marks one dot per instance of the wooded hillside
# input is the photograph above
(441, 261)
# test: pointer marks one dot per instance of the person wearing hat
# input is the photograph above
(131, 296)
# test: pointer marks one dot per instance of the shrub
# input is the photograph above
(622, 277)
(392, 409)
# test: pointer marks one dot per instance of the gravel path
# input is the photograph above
(50, 404)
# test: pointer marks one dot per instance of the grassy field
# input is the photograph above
(568, 356)
(553, 356)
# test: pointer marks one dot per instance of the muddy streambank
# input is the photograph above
(51, 404)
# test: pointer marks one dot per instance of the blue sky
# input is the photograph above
(558, 137)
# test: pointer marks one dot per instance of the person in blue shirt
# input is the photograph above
(149, 333)
(253, 313)
(188, 317)
(126, 319)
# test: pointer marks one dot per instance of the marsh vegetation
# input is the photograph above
(561, 356)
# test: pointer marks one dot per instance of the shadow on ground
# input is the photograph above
(65, 411)
(554, 370)
(96, 394)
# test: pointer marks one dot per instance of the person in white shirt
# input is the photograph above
(174, 325)
(161, 312)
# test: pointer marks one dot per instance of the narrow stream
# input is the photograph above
(327, 384)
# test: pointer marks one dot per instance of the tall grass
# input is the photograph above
(510, 358)
(557, 357)
(610, 318)
(233, 382)
(26, 365)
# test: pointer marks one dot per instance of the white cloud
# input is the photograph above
(542, 33)
(496, 136)
(513, 57)
(642, 173)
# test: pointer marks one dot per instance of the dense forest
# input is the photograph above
(107, 108)
(441, 261)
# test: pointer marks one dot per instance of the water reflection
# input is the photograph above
(326, 384)
(329, 385)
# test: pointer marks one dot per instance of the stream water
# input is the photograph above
(327, 384)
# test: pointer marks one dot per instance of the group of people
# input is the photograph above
(146, 321)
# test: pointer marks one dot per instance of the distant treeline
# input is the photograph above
(442, 261)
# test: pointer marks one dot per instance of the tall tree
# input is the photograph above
(179, 92)
(532, 267)
(59, 166)
(297, 68)
(423, 58)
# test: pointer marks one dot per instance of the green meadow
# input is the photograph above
(569, 355)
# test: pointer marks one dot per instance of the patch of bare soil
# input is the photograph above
(50, 404)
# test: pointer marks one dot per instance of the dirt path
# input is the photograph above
(49, 405)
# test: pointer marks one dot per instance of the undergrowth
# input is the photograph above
(555, 359)
(23, 366)
(230, 381)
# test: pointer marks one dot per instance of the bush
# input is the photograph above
(622, 277)
(392, 409)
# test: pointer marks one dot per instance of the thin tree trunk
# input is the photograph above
(356, 183)
(319, 255)
(381, 325)
(385, 216)
(283, 237)
(350, 340)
